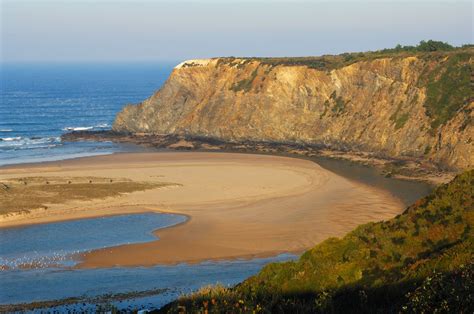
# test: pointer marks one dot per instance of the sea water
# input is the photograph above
(39, 102)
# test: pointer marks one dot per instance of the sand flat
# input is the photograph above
(239, 205)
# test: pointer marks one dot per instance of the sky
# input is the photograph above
(145, 30)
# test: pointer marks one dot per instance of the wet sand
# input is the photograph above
(238, 205)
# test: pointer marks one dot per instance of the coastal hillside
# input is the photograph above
(406, 103)
(419, 261)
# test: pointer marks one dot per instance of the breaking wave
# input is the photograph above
(17, 143)
(100, 126)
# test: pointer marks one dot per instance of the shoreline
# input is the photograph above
(407, 168)
(238, 205)
(59, 216)
(320, 159)
(48, 304)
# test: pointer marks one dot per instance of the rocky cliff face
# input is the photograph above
(408, 105)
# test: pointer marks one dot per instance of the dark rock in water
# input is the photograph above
(87, 135)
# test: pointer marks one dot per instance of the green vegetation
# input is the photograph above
(448, 88)
(330, 62)
(336, 103)
(399, 118)
(446, 75)
(419, 261)
(25, 194)
(339, 104)
(426, 46)
(245, 84)
(326, 105)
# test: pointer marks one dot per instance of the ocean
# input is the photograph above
(39, 102)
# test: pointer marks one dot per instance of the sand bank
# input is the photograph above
(238, 205)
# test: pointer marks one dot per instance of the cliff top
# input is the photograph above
(426, 49)
(193, 62)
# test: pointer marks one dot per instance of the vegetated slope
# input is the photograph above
(29, 193)
(395, 103)
(418, 261)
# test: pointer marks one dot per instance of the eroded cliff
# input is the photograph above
(416, 105)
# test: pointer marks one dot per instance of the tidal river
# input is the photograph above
(37, 264)
(38, 261)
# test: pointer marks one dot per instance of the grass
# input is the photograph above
(25, 194)
(421, 259)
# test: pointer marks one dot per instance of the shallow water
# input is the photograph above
(50, 284)
(406, 191)
(51, 247)
(56, 243)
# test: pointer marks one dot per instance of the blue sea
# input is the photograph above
(39, 102)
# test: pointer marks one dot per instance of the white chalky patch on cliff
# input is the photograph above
(195, 62)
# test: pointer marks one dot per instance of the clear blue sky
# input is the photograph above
(108, 30)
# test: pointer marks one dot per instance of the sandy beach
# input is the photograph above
(238, 205)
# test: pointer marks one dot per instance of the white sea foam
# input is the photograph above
(87, 128)
(78, 128)
(6, 130)
(9, 139)
(26, 143)
(39, 259)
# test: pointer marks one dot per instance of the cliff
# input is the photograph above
(406, 104)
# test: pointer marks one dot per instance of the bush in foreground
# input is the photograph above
(419, 261)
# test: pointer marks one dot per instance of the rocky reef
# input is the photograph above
(396, 105)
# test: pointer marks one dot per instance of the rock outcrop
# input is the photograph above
(416, 105)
